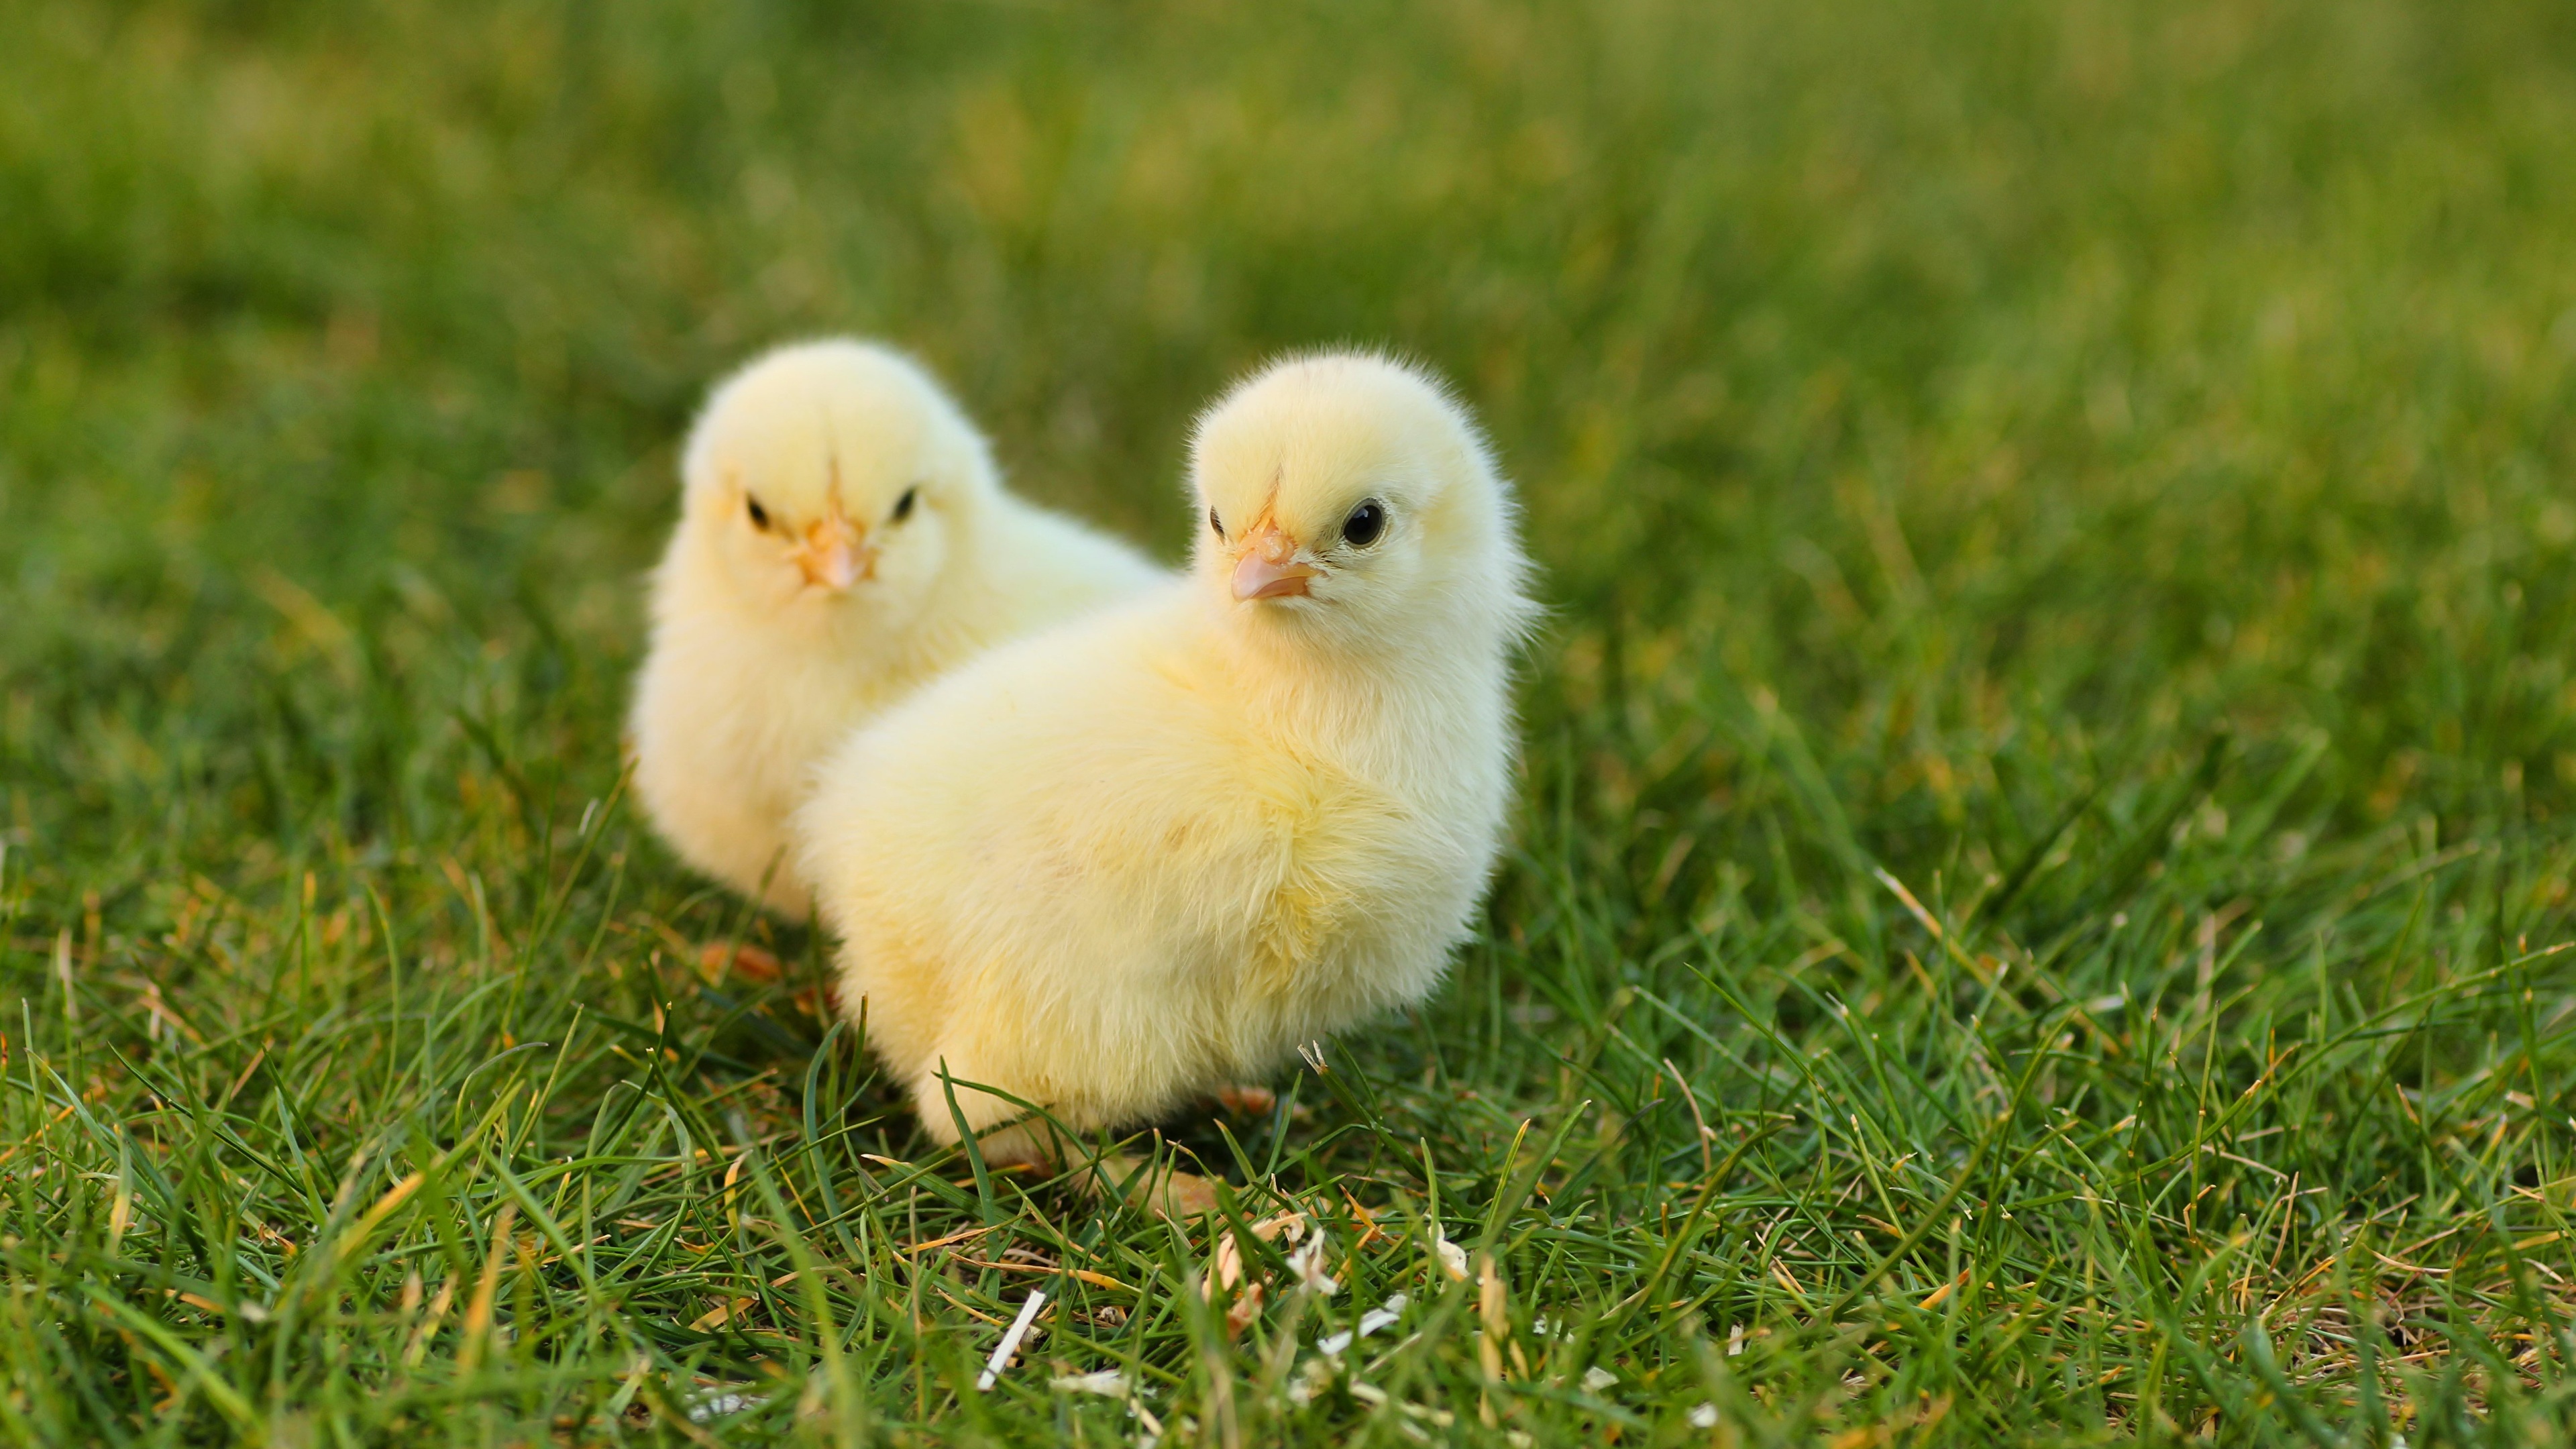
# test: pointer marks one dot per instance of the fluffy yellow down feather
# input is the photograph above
(1124, 862)
(843, 537)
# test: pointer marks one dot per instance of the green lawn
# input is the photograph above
(2055, 740)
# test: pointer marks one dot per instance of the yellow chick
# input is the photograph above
(843, 537)
(1114, 866)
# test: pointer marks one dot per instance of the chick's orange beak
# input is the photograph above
(1268, 567)
(835, 553)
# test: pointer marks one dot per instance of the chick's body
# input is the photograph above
(1133, 859)
(843, 538)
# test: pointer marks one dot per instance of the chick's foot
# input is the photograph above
(1247, 1101)
(1166, 1191)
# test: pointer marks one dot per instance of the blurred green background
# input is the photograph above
(1956, 373)
(2091, 461)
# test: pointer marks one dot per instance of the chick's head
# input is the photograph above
(829, 481)
(1348, 497)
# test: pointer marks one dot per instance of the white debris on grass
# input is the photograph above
(1703, 1416)
(1109, 1383)
(1332, 1344)
(1308, 1264)
(1114, 1384)
(1010, 1343)
(1311, 1379)
(1227, 1270)
(1453, 1259)
(1318, 1372)
(717, 1406)
(1597, 1378)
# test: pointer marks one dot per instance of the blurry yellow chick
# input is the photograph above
(843, 537)
(1124, 862)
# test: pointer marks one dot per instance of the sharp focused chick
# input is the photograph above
(1125, 862)
(843, 537)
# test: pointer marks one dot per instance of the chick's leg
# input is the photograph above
(952, 1095)
(1007, 1134)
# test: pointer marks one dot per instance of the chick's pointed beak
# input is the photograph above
(834, 553)
(1268, 567)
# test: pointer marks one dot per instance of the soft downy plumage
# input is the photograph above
(1122, 863)
(843, 537)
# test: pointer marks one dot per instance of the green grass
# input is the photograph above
(2056, 739)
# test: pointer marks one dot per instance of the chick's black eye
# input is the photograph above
(1213, 526)
(903, 505)
(759, 515)
(1364, 525)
